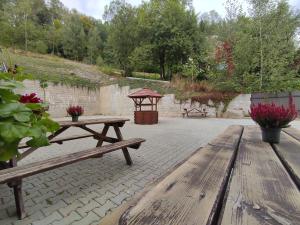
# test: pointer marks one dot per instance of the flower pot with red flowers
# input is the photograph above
(272, 118)
(19, 122)
(75, 112)
(32, 98)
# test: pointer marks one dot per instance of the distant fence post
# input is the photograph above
(281, 98)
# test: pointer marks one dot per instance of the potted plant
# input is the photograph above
(75, 112)
(272, 118)
(18, 120)
(33, 98)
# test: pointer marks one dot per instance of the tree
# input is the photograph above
(169, 27)
(122, 36)
(74, 38)
(94, 44)
(24, 9)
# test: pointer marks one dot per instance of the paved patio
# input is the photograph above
(82, 193)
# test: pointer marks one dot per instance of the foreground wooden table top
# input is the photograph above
(235, 179)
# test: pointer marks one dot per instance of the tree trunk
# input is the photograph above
(162, 66)
(26, 34)
(261, 54)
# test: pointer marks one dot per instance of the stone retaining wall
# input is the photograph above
(113, 100)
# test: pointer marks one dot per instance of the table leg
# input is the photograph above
(125, 150)
(103, 133)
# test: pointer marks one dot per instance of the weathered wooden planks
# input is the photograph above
(288, 151)
(19, 172)
(260, 191)
(93, 121)
(292, 132)
(191, 194)
(61, 140)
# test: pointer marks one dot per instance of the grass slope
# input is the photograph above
(62, 71)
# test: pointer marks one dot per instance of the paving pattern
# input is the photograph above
(84, 192)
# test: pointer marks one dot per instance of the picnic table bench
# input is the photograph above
(12, 174)
(192, 112)
(236, 179)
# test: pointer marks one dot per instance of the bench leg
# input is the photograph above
(19, 200)
(125, 150)
(17, 187)
(127, 156)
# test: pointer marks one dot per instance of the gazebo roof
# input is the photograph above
(145, 93)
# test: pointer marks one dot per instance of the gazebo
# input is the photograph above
(145, 102)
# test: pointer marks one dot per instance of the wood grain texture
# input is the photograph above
(293, 132)
(92, 121)
(288, 150)
(61, 140)
(38, 167)
(189, 195)
(260, 191)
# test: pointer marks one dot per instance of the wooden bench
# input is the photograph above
(61, 140)
(194, 112)
(235, 179)
(13, 176)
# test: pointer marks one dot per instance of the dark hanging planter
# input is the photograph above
(271, 135)
(75, 118)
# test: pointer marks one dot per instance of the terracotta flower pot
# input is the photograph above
(271, 135)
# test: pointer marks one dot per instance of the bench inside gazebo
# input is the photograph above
(235, 179)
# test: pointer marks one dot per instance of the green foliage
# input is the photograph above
(19, 121)
(122, 36)
(160, 37)
(74, 38)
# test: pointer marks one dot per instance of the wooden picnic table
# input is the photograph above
(235, 180)
(12, 174)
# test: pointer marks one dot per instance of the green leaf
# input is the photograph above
(34, 106)
(51, 125)
(22, 116)
(8, 150)
(8, 96)
(38, 142)
(11, 132)
(10, 109)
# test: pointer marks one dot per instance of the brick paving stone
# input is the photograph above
(88, 207)
(101, 200)
(72, 217)
(84, 192)
(70, 208)
(29, 220)
(120, 198)
(101, 211)
(49, 219)
(54, 207)
(89, 219)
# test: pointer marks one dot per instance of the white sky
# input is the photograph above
(95, 8)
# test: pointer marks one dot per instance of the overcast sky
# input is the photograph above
(95, 8)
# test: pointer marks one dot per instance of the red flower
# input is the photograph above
(30, 98)
(75, 110)
(271, 115)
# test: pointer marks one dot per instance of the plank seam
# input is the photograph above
(286, 166)
(222, 196)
